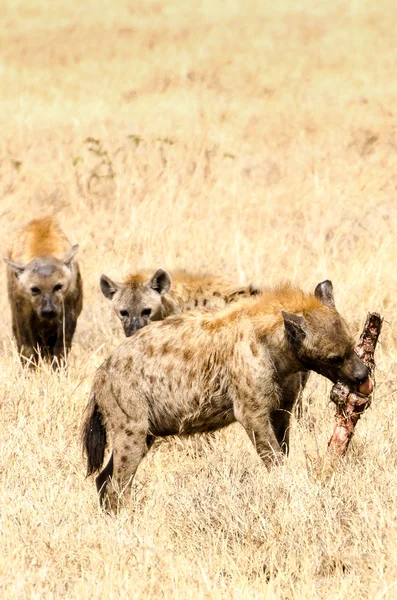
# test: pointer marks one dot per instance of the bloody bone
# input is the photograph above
(350, 404)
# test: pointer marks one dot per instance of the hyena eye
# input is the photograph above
(35, 291)
(124, 313)
(57, 287)
(335, 360)
(146, 312)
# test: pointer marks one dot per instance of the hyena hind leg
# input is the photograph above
(130, 446)
(104, 478)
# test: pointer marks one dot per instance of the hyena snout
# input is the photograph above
(48, 310)
(355, 370)
(132, 325)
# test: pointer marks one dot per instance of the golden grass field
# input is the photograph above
(245, 138)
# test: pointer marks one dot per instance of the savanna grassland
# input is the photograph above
(249, 138)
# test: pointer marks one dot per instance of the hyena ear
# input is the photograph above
(295, 326)
(69, 256)
(108, 287)
(325, 293)
(161, 282)
(16, 267)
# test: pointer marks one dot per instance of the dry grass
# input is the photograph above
(255, 140)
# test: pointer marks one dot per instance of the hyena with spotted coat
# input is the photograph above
(45, 291)
(202, 371)
(144, 297)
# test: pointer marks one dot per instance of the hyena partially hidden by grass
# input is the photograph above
(45, 291)
(144, 297)
(199, 372)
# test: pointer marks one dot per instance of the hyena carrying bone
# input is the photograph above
(202, 371)
(144, 297)
(45, 291)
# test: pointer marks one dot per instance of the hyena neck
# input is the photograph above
(282, 354)
(169, 305)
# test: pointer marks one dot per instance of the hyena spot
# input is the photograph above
(254, 349)
(113, 389)
(165, 348)
(205, 302)
(127, 448)
(176, 321)
(128, 432)
(124, 459)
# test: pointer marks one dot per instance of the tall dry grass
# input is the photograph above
(247, 138)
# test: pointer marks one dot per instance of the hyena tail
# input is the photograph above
(94, 436)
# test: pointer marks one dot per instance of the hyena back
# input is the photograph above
(199, 372)
(45, 291)
(144, 297)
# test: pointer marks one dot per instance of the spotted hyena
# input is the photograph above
(45, 291)
(202, 371)
(146, 296)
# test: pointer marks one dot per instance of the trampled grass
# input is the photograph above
(243, 138)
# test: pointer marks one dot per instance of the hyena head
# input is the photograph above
(321, 340)
(136, 303)
(45, 281)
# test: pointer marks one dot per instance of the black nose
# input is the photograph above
(362, 374)
(132, 327)
(48, 314)
(129, 331)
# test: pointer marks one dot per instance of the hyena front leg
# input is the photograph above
(65, 334)
(300, 408)
(281, 417)
(256, 422)
(130, 445)
(27, 349)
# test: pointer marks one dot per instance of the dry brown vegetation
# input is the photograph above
(246, 138)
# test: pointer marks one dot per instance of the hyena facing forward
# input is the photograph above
(45, 291)
(144, 297)
(200, 372)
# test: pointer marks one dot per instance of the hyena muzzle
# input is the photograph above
(200, 372)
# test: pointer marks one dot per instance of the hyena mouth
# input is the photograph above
(48, 315)
(366, 387)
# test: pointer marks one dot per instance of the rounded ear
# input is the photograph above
(67, 259)
(108, 287)
(161, 282)
(325, 293)
(295, 326)
(16, 267)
